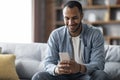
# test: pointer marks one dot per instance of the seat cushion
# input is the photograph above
(112, 53)
(113, 70)
(26, 68)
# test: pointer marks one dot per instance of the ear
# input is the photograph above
(81, 14)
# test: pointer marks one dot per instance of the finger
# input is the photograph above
(66, 62)
(61, 71)
(64, 71)
(64, 65)
(71, 62)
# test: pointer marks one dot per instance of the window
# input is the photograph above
(16, 21)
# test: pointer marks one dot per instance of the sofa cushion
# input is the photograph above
(7, 67)
(112, 53)
(28, 51)
(113, 70)
(26, 68)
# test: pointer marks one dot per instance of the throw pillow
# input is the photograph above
(7, 67)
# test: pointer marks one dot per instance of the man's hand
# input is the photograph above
(74, 67)
(67, 67)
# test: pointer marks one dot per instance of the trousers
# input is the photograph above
(97, 75)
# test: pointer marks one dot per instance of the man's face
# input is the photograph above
(72, 19)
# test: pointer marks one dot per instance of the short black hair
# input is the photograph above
(72, 4)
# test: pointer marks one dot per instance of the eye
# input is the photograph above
(74, 18)
(66, 18)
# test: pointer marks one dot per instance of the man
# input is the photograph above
(83, 43)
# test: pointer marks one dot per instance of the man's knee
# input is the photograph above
(41, 76)
(99, 75)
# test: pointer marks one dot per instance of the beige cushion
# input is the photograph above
(7, 67)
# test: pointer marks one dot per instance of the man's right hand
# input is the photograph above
(63, 68)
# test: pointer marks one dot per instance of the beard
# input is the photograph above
(77, 28)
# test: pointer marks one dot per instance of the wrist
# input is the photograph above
(83, 69)
(79, 67)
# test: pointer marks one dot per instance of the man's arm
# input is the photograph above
(96, 52)
(52, 57)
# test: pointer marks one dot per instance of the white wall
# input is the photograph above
(16, 21)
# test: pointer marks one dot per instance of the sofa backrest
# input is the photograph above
(24, 50)
(37, 51)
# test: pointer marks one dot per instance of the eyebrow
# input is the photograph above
(71, 17)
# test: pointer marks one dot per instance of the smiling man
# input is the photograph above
(84, 45)
(72, 19)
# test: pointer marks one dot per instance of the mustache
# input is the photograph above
(73, 25)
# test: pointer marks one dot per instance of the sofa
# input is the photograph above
(29, 59)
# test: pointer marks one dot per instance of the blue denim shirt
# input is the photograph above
(92, 48)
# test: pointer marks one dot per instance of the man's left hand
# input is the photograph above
(72, 66)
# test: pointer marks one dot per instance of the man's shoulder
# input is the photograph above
(92, 28)
(89, 26)
(59, 30)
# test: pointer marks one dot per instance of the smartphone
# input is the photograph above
(64, 56)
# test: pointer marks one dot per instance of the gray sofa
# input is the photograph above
(29, 58)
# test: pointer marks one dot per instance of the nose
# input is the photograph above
(70, 22)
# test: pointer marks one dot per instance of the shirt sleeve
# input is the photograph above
(52, 57)
(96, 52)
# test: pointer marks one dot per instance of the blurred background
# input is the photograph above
(28, 21)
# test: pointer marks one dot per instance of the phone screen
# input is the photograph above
(64, 56)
